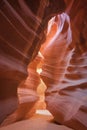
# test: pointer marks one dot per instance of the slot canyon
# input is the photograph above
(43, 64)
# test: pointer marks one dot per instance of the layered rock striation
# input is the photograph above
(65, 66)
(22, 31)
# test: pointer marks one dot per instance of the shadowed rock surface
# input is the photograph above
(22, 26)
(65, 68)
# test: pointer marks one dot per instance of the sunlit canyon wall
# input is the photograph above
(22, 31)
(64, 70)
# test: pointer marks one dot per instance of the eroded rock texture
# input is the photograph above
(27, 94)
(22, 31)
(65, 67)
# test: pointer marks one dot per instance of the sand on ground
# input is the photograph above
(37, 122)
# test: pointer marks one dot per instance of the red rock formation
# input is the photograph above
(27, 94)
(22, 25)
(65, 69)
(22, 31)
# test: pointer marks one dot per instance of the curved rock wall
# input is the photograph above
(65, 67)
(22, 25)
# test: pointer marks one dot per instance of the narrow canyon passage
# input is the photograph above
(43, 64)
